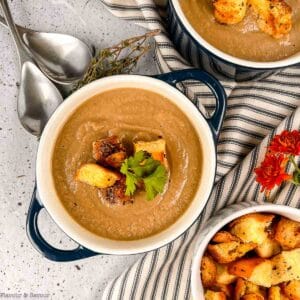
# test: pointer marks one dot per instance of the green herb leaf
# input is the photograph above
(147, 167)
(137, 159)
(155, 183)
(131, 182)
(143, 168)
(128, 168)
(296, 178)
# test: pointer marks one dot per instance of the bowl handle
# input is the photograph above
(215, 121)
(39, 242)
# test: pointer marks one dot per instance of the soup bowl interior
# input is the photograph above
(221, 219)
(289, 61)
(45, 181)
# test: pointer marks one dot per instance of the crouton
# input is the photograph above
(223, 276)
(208, 271)
(268, 248)
(252, 227)
(157, 149)
(116, 193)
(274, 293)
(115, 160)
(261, 275)
(292, 289)
(274, 16)
(212, 295)
(227, 289)
(228, 252)
(266, 272)
(253, 297)
(243, 288)
(224, 237)
(109, 152)
(229, 11)
(255, 270)
(287, 233)
(286, 266)
(96, 175)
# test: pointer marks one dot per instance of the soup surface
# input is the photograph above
(131, 114)
(243, 40)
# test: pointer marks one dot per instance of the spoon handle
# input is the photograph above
(23, 54)
(21, 29)
(2, 21)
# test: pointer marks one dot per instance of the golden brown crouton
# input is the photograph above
(240, 288)
(274, 16)
(292, 289)
(288, 233)
(224, 237)
(253, 297)
(266, 272)
(261, 275)
(255, 270)
(109, 152)
(229, 11)
(223, 276)
(211, 295)
(208, 271)
(227, 289)
(268, 248)
(97, 176)
(228, 252)
(115, 160)
(116, 193)
(252, 227)
(157, 149)
(274, 293)
(243, 288)
(286, 266)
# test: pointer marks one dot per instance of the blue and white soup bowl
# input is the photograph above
(222, 218)
(45, 196)
(203, 55)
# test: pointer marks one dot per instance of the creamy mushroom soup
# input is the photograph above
(244, 39)
(131, 115)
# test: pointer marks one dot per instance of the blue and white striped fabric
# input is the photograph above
(256, 111)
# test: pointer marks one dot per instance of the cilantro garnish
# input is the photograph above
(142, 168)
(155, 182)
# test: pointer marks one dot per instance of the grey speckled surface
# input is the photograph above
(22, 269)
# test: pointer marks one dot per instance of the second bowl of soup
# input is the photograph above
(242, 39)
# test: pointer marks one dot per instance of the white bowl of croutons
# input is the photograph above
(249, 252)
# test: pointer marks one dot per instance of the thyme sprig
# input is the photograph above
(118, 59)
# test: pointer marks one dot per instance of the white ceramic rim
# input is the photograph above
(292, 60)
(45, 182)
(196, 284)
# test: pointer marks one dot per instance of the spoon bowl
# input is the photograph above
(38, 99)
(38, 96)
(63, 58)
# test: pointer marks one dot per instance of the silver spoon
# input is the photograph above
(63, 58)
(38, 96)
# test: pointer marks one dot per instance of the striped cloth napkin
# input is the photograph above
(256, 111)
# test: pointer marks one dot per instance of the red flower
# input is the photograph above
(287, 142)
(272, 171)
